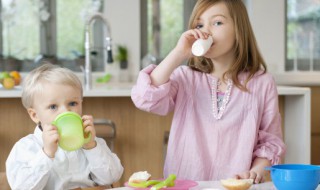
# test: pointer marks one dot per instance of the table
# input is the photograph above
(215, 185)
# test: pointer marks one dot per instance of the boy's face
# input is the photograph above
(53, 100)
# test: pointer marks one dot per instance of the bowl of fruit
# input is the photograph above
(8, 80)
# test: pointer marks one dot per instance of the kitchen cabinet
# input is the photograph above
(308, 80)
(315, 125)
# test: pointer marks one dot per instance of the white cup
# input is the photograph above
(201, 46)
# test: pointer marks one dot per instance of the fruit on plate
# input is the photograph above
(138, 177)
(169, 182)
(236, 184)
(8, 83)
(142, 180)
(16, 76)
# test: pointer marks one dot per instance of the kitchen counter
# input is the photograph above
(124, 90)
(99, 90)
(298, 78)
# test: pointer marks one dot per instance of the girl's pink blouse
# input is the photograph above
(201, 147)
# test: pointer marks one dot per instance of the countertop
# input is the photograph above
(124, 90)
(298, 78)
(99, 90)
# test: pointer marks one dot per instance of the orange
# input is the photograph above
(8, 83)
(16, 76)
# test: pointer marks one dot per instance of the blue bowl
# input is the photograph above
(295, 176)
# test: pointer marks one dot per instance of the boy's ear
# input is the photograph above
(33, 115)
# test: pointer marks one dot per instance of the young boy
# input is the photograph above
(36, 161)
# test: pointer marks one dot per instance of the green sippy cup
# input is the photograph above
(70, 130)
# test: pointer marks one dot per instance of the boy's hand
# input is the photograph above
(88, 127)
(50, 137)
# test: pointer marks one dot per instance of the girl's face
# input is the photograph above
(216, 20)
(53, 100)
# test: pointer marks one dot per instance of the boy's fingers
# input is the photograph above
(47, 127)
(87, 117)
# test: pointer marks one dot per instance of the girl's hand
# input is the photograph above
(161, 74)
(186, 40)
(258, 177)
(257, 172)
(88, 127)
(50, 137)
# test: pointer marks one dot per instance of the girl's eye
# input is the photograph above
(217, 23)
(53, 107)
(73, 103)
(198, 26)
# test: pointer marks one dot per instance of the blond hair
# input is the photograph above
(247, 55)
(34, 81)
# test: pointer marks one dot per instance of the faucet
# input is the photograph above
(87, 67)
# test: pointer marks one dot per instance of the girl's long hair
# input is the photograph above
(247, 55)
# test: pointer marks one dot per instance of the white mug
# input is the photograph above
(201, 46)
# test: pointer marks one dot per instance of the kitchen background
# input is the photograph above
(287, 31)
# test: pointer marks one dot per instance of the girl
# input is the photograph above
(226, 119)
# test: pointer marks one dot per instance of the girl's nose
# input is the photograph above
(206, 29)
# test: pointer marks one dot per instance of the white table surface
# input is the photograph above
(216, 185)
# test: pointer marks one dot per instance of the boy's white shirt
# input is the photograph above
(28, 167)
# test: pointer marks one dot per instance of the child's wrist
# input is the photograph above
(48, 154)
(180, 55)
(90, 145)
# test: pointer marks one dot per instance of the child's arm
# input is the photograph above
(180, 53)
(28, 166)
(50, 137)
(105, 166)
(89, 128)
(270, 147)
(157, 86)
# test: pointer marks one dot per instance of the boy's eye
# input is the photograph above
(73, 103)
(198, 26)
(217, 23)
(53, 107)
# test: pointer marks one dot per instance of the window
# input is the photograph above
(34, 30)
(303, 35)
(17, 44)
(70, 35)
(163, 23)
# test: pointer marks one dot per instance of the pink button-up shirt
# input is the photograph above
(202, 147)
